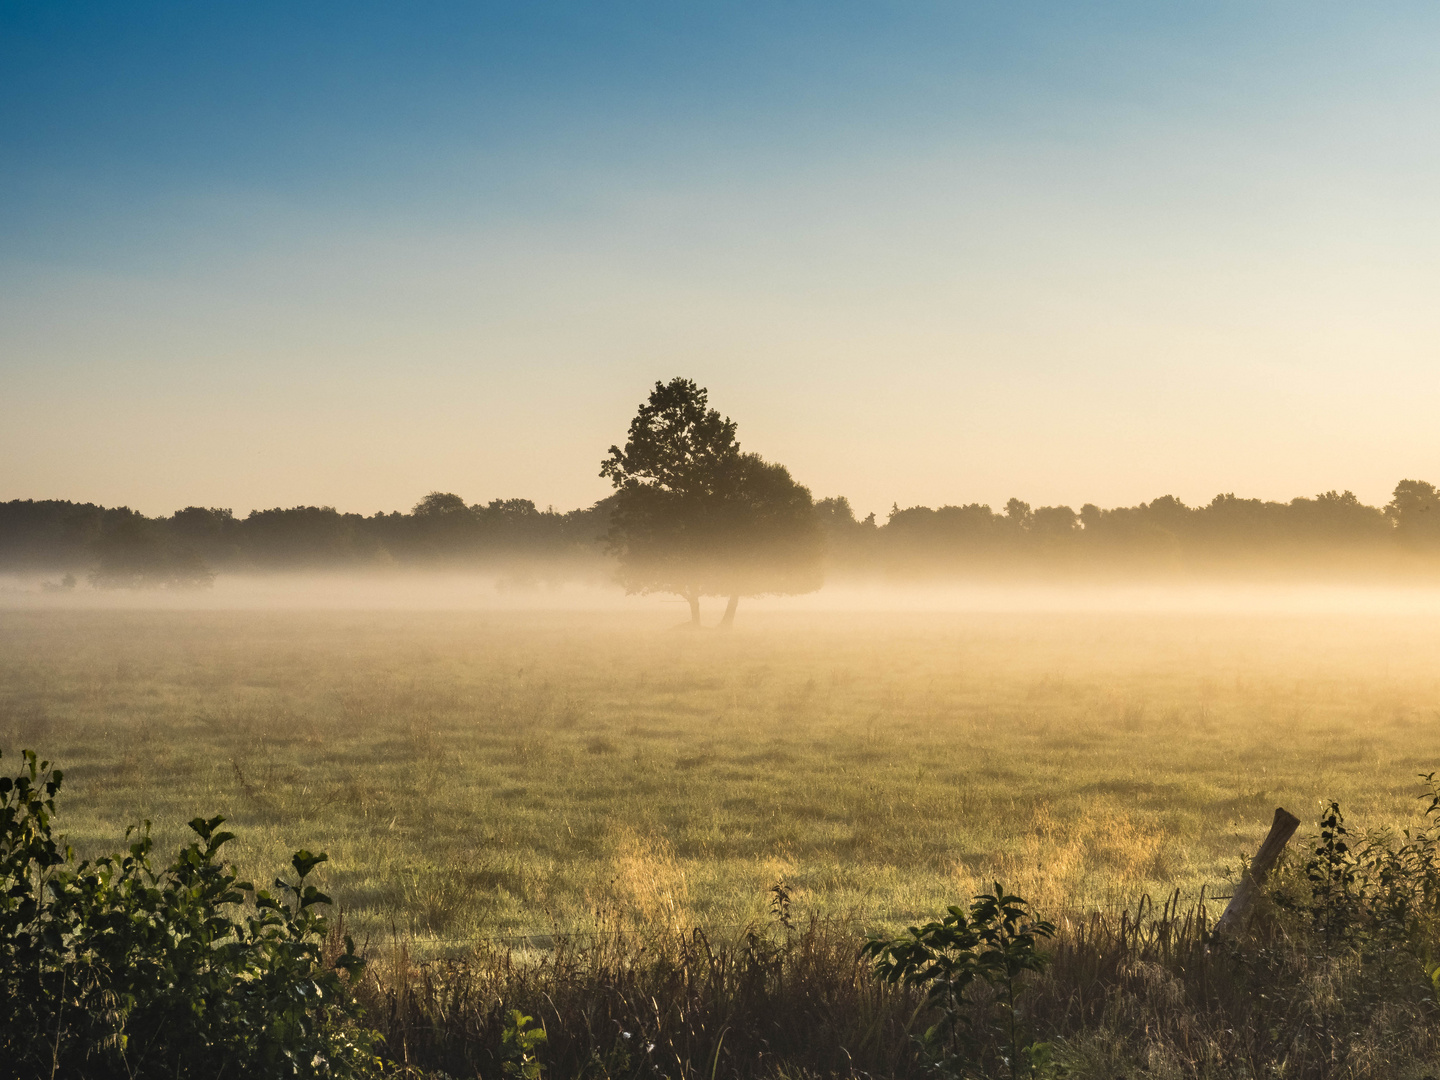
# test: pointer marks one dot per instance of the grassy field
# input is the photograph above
(478, 774)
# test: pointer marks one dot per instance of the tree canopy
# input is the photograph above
(696, 516)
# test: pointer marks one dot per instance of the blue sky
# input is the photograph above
(267, 254)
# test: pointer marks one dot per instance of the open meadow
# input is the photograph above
(495, 774)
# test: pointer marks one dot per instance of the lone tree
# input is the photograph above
(697, 517)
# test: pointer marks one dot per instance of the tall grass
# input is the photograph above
(668, 1002)
(1137, 992)
(1150, 994)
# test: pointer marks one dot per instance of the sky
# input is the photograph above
(266, 254)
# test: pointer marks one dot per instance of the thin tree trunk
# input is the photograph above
(694, 599)
(729, 618)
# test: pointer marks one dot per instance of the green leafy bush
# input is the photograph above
(519, 1044)
(989, 949)
(1371, 889)
(112, 968)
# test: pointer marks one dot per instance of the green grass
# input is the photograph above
(506, 773)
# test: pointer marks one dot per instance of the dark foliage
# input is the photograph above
(988, 949)
(113, 968)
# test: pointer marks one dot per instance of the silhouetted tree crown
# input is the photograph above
(697, 517)
(677, 444)
(440, 504)
(1415, 510)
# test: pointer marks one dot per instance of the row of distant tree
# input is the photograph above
(693, 514)
(1331, 526)
(118, 547)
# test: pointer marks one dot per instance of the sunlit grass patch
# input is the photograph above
(477, 774)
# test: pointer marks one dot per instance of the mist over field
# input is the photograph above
(434, 590)
(868, 757)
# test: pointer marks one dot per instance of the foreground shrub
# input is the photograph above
(987, 949)
(111, 968)
(1371, 890)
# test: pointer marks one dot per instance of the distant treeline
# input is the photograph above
(1333, 531)
(117, 547)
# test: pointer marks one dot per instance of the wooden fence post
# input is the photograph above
(1248, 888)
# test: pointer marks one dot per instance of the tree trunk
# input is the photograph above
(1248, 888)
(729, 619)
(694, 599)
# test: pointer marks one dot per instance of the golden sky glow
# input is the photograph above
(949, 257)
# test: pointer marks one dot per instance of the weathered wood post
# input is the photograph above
(1248, 888)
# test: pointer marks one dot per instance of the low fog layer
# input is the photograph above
(474, 591)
